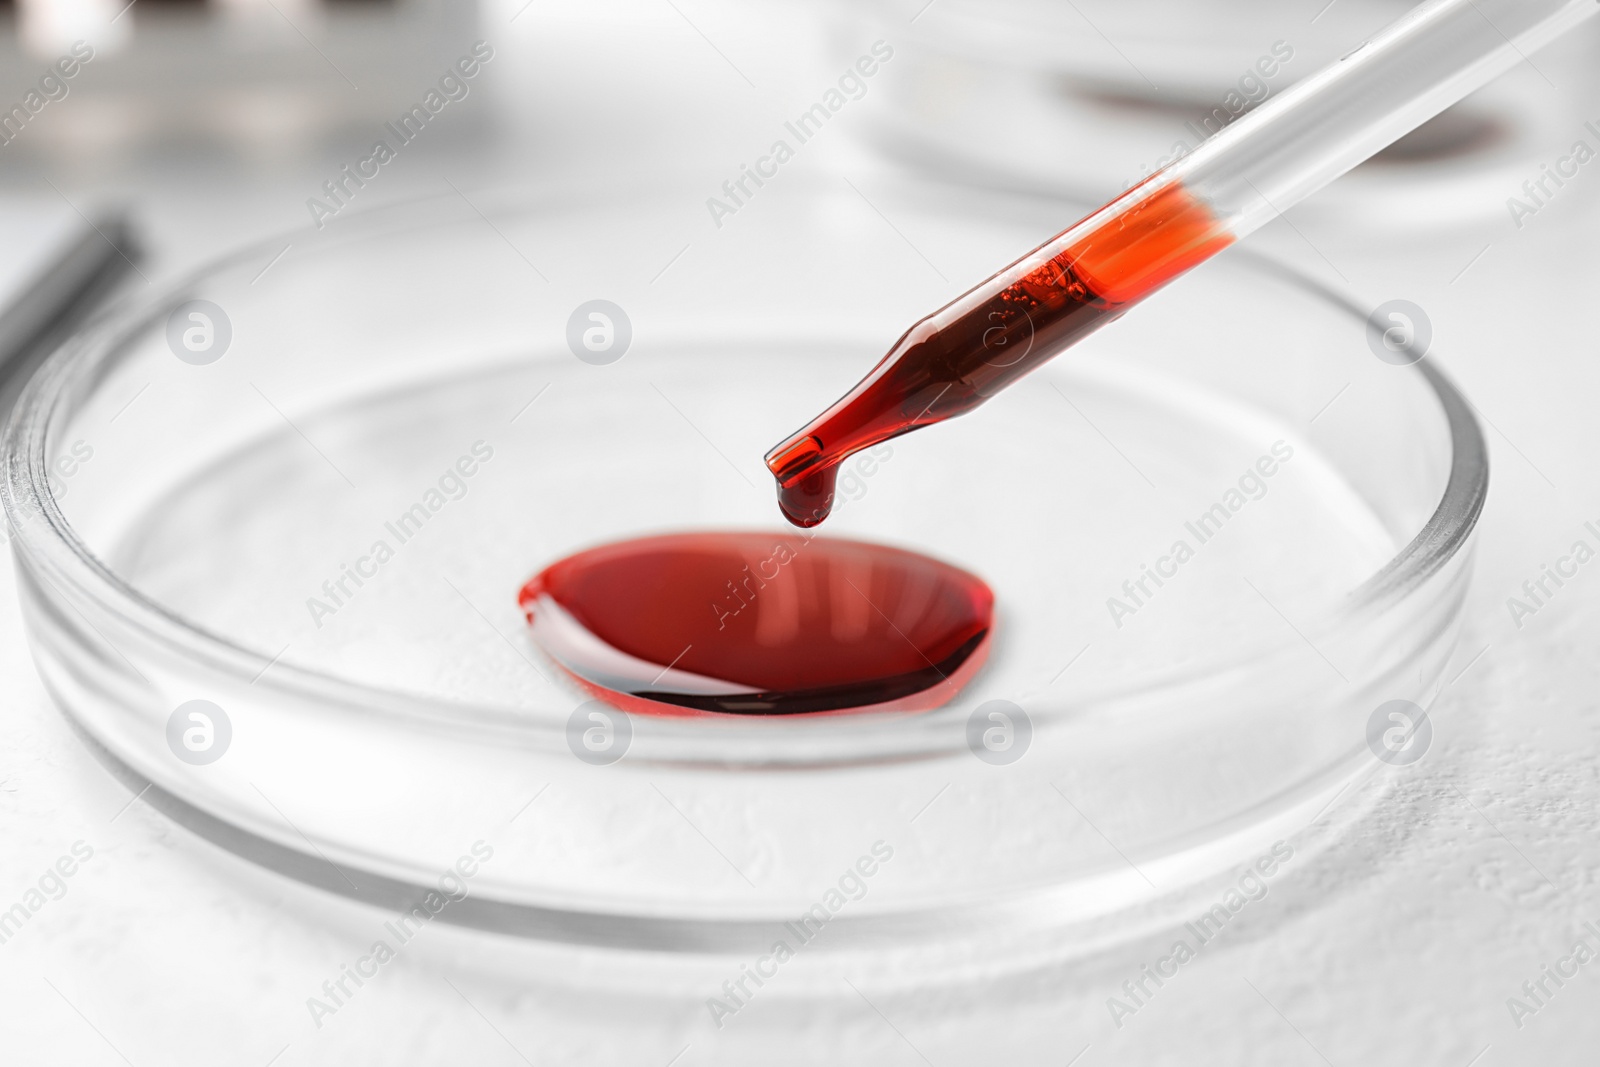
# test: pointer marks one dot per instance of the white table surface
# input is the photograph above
(1397, 941)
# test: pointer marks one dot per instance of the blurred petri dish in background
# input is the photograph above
(1084, 100)
(405, 380)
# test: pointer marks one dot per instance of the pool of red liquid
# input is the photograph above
(749, 623)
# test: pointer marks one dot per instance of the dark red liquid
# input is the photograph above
(984, 340)
(760, 624)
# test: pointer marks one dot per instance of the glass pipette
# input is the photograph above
(1235, 182)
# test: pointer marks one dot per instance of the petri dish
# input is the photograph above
(204, 524)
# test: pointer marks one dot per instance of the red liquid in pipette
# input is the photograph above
(969, 350)
(760, 624)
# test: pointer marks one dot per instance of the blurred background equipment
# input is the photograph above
(259, 81)
(1084, 99)
(58, 265)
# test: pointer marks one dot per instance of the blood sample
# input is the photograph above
(966, 352)
(760, 624)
